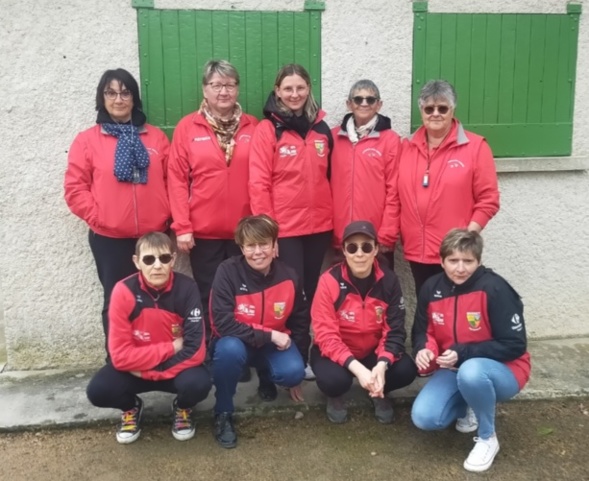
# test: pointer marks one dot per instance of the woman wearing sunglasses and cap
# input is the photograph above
(358, 318)
(364, 168)
(447, 179)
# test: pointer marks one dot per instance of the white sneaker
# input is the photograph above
(468, 423)
(309, 374)
(482, 455)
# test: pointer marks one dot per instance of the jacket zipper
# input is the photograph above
(353, 170)
(263, 307)
(455, 315)
(135, 209)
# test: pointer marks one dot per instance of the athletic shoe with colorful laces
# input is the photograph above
(130, 429)
(183, 427)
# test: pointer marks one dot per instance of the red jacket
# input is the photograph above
(249, 305)
(347, 327)
(364, 181)
(462, 188)
(109, 207)
(143, 324)
(207, 196)
(288, 179)
(484, 317)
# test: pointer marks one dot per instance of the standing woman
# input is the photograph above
(116, 179)
(447, 179)
(207, 175)
(289, 173)
(364, 168)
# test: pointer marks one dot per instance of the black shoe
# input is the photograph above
(224, 430)
(246, 374)
(267, 391)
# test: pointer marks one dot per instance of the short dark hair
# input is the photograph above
(123, 77)
(256, 228)
(155, 240)
(462, 240)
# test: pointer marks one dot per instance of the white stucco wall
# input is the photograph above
(51, 57)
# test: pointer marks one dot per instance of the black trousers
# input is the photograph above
(422, 272)
(305, 255)
(205, 257)
(110, 388)
(334, 380)
(114, 261)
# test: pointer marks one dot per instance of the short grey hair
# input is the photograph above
(221, 67)
(437, 90)
(364, 84)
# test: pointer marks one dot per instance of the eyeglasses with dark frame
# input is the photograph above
(217, 87)
(113, 94)
(370, 100)
(367, 247)
(149, 259)
(430, 109)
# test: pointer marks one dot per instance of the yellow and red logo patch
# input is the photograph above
(474, 320)
(320, 147)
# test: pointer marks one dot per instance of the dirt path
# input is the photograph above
(540, 440)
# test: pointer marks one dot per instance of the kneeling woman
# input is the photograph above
(469, 328)
(259, 317)
(358, 317)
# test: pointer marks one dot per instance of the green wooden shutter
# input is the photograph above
(514, 75)
(174, 45)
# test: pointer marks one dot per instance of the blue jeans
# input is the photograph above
(478, 383)
(230, 356)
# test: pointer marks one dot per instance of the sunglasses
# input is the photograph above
(442, 109)
(366, 247)
(358, 100)
(149, 260)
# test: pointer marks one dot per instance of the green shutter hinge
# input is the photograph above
(574, 8)
(314, 4)
(142, 3)
(419, 7)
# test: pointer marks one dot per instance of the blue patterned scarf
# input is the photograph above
(131, 157)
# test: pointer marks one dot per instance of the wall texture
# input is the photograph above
(51, 57)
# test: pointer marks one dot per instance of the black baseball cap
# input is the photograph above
(360, 227)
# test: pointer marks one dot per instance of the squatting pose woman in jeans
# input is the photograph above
(358, 317)
(469, 328)
(259, 317)
(116, 180)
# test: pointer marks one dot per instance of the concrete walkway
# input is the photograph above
(30, 400)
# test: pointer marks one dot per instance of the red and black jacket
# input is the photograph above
(484, 317)
(347, 327)
(143, 323)
(249, 305)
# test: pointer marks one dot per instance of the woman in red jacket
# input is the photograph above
(116, 179)
(364, 168)
(469, 328)
(207, 175)
(289, 173)
(358, 317)
(447, 180)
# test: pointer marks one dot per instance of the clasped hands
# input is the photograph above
(446, 360)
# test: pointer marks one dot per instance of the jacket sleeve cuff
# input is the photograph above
(348, 361)
(389, 359)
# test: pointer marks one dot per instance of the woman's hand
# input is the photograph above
(378, 379)
(185, 242)
(281, 340)
(423, 359)
(296, 393)
(447, 359)
(363, 374)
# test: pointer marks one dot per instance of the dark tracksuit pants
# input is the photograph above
(110, 388)
(334, 380)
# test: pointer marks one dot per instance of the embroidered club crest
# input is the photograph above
(379, 313)
(320, 147)
(176, 330)
(474, 320)
(279, 308)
